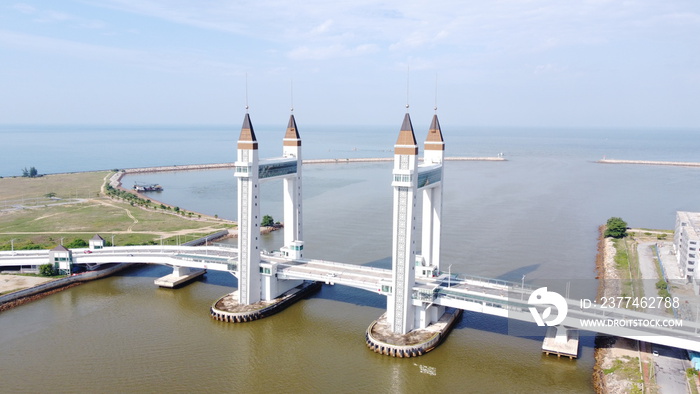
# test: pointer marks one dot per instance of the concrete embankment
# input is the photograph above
(221, 309)
(416, 343)
(651, 163)
(20, 297)
(209, 238)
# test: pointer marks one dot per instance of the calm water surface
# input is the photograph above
(534, 215)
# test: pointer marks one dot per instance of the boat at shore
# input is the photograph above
(141, 187)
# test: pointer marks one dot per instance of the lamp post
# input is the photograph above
(522, 288)
(112, 239)
(449, 276)
(12, 244)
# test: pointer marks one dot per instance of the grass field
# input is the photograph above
(80, 185)
(44, 224)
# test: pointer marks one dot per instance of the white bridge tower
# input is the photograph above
(403, 252)
(247, 172)
(403, 311)
(257, 279)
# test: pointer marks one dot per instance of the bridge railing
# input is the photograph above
(500, 283)
(687, 329)
(355, 266)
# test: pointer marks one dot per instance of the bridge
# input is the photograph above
(470, 293)
(417, 291)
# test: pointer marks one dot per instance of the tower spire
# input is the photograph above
(406, 143)
(434, 141)
(247, 139)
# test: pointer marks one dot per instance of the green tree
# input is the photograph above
(77, 243)
(47, 270)
(29, 173)
(615, 228)
(267, 221)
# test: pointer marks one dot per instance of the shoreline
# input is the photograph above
(22, 296)
(600, 341)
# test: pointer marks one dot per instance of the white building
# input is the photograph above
(686, 239)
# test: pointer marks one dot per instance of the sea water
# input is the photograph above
(535, 214)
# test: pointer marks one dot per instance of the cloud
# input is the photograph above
(158, 60)
(331, 51)
(24, 8)
(48, 16)
(323, 27)
(548, 68)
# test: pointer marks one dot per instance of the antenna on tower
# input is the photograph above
(408, 78)
(436, 91)
(246, 93)
(291, 91)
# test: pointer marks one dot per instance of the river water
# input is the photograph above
(535, 215)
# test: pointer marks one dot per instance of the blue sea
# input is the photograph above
(55, 149)
(520, 212)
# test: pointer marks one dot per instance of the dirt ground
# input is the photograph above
(621, 348)
(9, 283)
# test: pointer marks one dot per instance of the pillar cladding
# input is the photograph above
(399, 305)
(292, 186)
(433, 153)
(248, 216)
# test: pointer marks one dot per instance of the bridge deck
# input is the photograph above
(484, 295)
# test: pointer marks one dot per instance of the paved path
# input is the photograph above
(649, 274)
(669, 369)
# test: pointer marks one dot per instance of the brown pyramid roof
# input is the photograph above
(247, 138)
(406, 143)
(60, 248)
(291, 138)
(434, 140)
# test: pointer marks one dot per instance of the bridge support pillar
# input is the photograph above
(562, 341)
(180, 276)
(271, 286)
(426, 314)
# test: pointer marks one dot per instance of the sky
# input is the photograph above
(519, 63)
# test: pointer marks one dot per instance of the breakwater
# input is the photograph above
(651, 162)
(215, 166)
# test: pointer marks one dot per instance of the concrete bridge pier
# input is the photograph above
(271, 286)
(426, 314)
(562, 341)
(180, 276)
